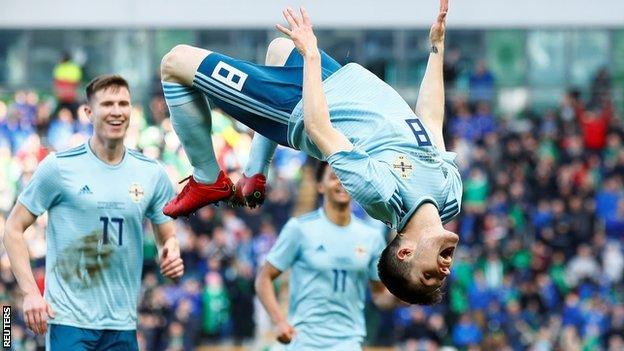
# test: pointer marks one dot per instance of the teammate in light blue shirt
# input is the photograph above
(391, 159)
(332, 256)
(97, 196)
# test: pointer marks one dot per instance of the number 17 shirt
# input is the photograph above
(95, 233)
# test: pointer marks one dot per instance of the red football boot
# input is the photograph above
(196, 195)
(249, 191)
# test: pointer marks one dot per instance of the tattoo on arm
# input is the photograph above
(434, 49)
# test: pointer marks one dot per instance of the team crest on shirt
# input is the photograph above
(403, 165)
(360, 251)
(136, 192)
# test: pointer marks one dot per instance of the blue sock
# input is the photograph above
(190, 118)
(260, 155)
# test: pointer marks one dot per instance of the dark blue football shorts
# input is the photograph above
(261, 97)
(65, 338)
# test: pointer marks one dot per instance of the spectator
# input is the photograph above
(484, 119)
(614, 224)
(570, 339)
(594, 124)
(481, 83)
(67, 77)
(613, 262)
(479, 295)
(515, 328)
(415, 329)
(175, 337)
(61, 130)
(462, 125)
(241, 293)
(215, 306)
(582, 266)
(476, 190)
(452, 69)
(467, 333)
(601, 86)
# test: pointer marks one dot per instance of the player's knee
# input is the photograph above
(278, 51)
(181, 62)
(170, 62)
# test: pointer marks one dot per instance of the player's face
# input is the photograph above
(434, 258)
(332, 189)
(109, 111)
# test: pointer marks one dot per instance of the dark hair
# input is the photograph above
(395, 274)
(320, 171)
(65, 56)
(105, 81)
(574, 93)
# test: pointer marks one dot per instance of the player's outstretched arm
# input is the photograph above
(35, 308)
(430, 103)
(315, 111)
(266, 293)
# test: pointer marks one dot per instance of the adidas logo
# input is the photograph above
(85, 190)
(321, 248)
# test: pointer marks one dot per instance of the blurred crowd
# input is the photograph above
(541, 260)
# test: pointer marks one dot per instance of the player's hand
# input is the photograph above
(171, 265)
(436, 35)
(285, 332)
(36, 312)
(300, 31)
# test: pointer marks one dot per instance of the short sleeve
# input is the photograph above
(286, 249)
(449, 157)
(44, 189)
(378, 247)
(366, 179)
(163, 192)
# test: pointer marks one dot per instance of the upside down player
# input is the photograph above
(392, 160)
(96, 196)
(333, 256)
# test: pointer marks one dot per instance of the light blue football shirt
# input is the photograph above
(95, 233)
(394, 167)
(331, 268)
